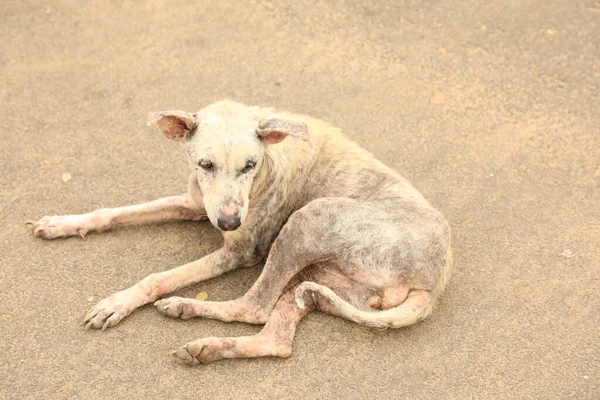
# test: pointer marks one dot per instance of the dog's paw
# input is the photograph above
(60, 226)
(201, 351)
(177, 307)
(110, 311)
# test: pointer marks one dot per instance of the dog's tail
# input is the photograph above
(417, 306)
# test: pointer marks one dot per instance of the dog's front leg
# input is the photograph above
(188, 206)
(113, 309)
(165, 209)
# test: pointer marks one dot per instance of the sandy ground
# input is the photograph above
(490, 108)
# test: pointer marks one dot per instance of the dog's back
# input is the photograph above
(331, 165)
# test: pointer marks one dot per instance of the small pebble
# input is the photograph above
(202, 296)
(566, 253)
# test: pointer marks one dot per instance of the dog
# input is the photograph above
(338, 231)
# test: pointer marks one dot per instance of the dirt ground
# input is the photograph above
(490, 108)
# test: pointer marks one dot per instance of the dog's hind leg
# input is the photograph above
(274, 340)
(292, 251)
(333, 229)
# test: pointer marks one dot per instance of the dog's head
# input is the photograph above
(226, 144)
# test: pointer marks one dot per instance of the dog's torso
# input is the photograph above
(329, 166)
(338, 230)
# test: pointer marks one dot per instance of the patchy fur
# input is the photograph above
(340, 231)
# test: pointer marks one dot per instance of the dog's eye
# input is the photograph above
(249, 166)
(207, 165)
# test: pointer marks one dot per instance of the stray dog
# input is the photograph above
(339, 231)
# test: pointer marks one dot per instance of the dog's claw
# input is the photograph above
(108, 323)
(81, 233)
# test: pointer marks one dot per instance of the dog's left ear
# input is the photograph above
(274, 130)
(175, 125)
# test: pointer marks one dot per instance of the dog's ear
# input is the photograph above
(274, 130)
(175, 125)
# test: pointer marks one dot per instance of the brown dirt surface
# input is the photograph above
(490, 108)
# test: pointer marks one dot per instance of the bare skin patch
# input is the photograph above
(338, 231)
(274, 130)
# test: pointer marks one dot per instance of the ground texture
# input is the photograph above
(490, 108)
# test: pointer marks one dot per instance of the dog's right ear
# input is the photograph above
(175, 124)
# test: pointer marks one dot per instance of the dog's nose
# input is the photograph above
(229, 217)
(229, 222)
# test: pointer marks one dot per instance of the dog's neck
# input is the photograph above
(285, 168)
